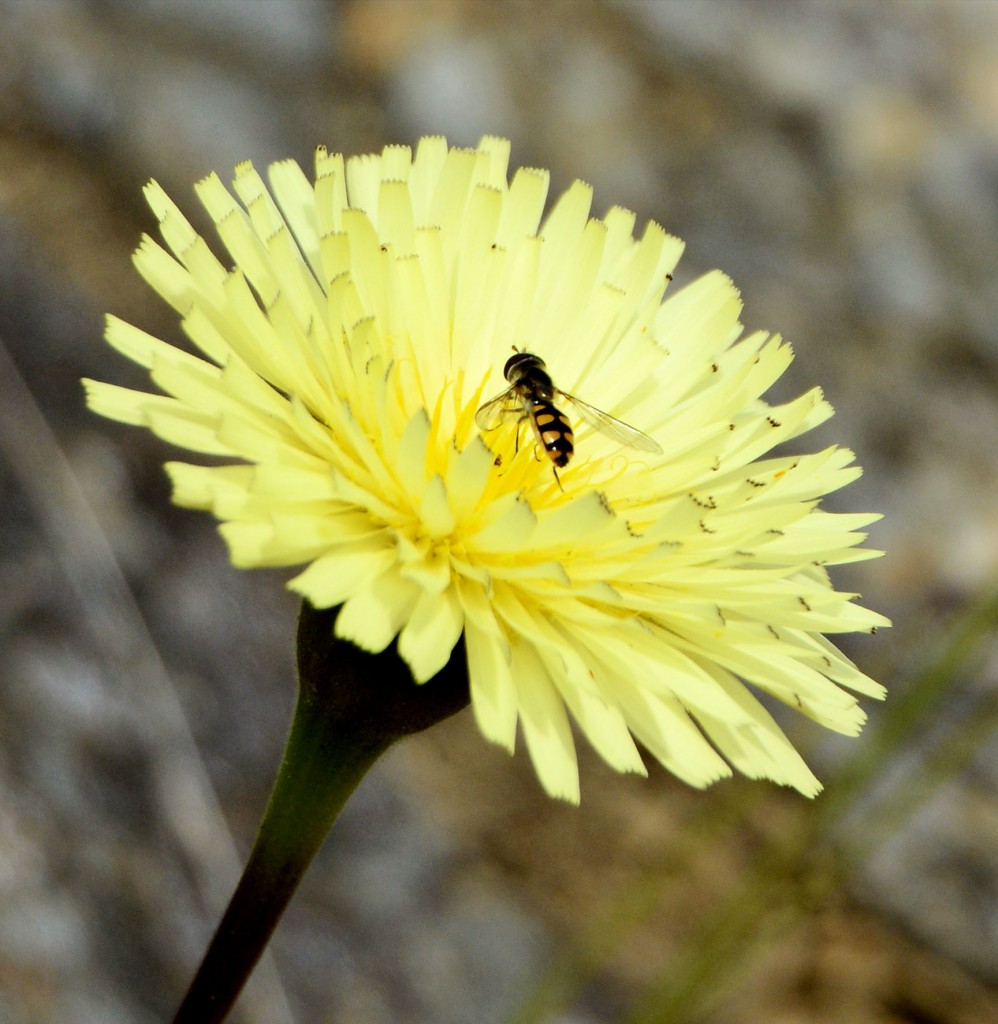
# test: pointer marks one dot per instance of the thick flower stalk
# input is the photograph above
(341, 351)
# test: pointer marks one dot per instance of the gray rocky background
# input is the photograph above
(839, 160)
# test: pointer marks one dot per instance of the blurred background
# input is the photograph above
(840, 162)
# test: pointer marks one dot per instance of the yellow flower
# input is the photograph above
(340, 363)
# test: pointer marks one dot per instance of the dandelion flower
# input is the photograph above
(339, 355)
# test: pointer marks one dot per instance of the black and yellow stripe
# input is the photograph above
(553, 431)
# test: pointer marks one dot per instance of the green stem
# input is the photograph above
(351, 707)
(310, 791)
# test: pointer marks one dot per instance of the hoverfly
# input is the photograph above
(531, 396)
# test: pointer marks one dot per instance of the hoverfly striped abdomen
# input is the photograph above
(554, 432)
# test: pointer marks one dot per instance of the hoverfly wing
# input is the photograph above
(609, 426)
(496, 411)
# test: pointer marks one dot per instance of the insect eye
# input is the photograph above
(524, 360)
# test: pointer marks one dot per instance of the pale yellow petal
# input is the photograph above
(546, 731)
(493, 692)
(333, 578)
(429, 635)
(372, 617)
